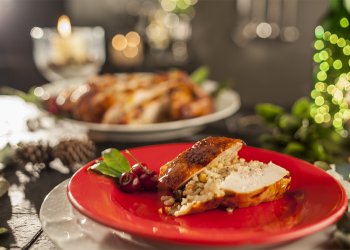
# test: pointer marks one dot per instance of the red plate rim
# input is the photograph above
(201, 238)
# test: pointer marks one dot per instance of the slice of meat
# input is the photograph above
(187, 164)
(250, 188)
(210, 174)
(151, 111)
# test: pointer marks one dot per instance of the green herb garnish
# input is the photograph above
(113, 163)
(200, 75)
(102, 168)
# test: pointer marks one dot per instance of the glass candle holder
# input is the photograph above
(75, 52)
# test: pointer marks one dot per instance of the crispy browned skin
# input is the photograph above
(188, 101)
(176, 172)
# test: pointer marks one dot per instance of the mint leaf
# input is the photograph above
(102, 168)
(114, 159)
(113, 163)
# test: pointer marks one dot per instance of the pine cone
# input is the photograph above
(34, 152)
(73, 151)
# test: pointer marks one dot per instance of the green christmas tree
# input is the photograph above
(315, 129)
(332, 68)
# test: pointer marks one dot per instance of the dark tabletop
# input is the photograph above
(19, 208)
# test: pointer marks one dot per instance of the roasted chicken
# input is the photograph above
(138, 98)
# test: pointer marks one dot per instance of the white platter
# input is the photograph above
(71, 230)
(226, 104)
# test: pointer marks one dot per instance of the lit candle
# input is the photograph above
(68, 46)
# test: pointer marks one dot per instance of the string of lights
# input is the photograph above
(332, 73)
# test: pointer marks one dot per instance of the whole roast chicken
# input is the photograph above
(136, 98)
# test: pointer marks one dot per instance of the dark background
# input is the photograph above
(261, 71)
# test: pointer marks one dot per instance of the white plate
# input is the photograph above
(69, 229)
(226, 104)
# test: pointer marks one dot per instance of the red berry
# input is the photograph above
(139, 169)
(149, 180)
(144, 164)
(129, 182)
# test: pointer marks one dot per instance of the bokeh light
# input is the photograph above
(337, 64)
(319, 100)
(344, 22)
(319, 45)
(322, 76)
(127, 47)
(333, 38)
(320, 86)
(326, 35)
(317, 58)
(130, 52)
(324, 66)
(332, 75)
(37, 33)
(319, 31)
(323, 55)
(133, 39)
(341, 42)
(119, 42)
(264, 30)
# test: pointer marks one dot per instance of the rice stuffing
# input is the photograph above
(206, 185)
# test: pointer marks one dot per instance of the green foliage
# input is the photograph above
(114, 158)
(3, 230)
(296, 133)
(102, 168)
(225, 85)
(113, 163)
(331, 67)
(301, 108)
(200, 75)
(269, 112)
(27, 97)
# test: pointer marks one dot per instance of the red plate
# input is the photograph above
(315, 201)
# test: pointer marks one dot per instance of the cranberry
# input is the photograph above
(144, 165)
(149, 180)
(139, 169)
(129, 182)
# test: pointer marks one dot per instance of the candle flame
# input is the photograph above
(63, 26)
